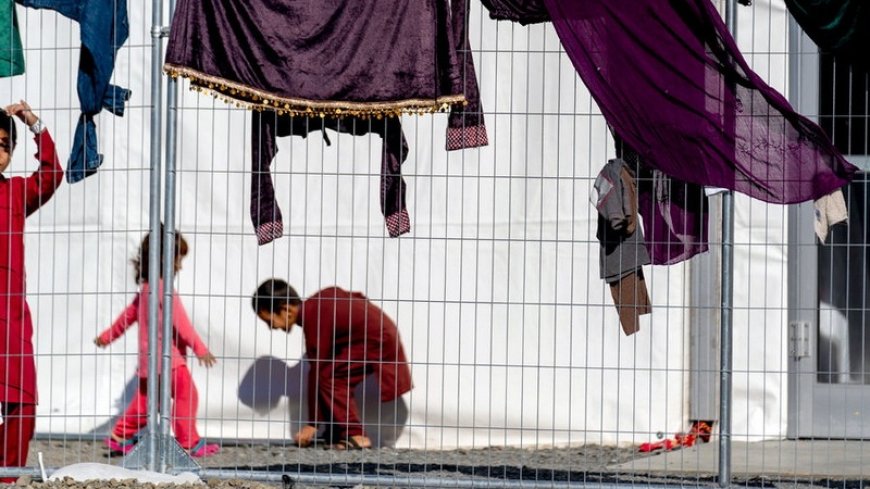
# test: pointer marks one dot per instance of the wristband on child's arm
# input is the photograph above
(37, 127)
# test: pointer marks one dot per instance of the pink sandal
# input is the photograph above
(120, 447)
(203, 449)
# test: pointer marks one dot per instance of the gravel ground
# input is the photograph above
(58, 453)
(575, 464)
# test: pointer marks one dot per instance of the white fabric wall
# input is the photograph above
(512, 336)
(760, 272)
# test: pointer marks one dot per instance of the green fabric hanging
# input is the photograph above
(841, 27)
(11, 53)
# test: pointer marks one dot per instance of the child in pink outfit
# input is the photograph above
(184, 394)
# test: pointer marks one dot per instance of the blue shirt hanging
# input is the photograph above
(104, 29)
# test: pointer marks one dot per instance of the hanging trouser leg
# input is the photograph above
(393, 187)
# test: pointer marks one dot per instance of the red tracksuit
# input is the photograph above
(348, 338)
(184, 394)
(19, 198)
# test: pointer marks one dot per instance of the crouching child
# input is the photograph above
(347, 338)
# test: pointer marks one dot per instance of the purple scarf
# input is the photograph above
(671, 81)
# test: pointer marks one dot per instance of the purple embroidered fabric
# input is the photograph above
(348, 65)
(344, 57)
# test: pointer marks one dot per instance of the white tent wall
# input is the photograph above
(760, 259)
(513, 338)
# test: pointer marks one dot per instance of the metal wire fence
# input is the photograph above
(522, 376)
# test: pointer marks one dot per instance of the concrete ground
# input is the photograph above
(828, 459)
(796, 464)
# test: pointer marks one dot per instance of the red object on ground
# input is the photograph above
(700, 430)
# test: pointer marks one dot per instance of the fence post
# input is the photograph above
(727, 307)
(148, 452)
(172, 455)
(154, 219)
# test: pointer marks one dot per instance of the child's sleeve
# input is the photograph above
(40, 186)
(122, 323)
(184, 327)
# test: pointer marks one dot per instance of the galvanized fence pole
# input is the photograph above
(154, 218)
(727, 310)
(172, 455)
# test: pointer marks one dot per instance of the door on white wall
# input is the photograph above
(829, 282)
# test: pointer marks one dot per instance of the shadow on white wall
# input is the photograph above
(269, 379)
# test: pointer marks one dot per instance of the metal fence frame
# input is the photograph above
(168, 458)
(158, 450)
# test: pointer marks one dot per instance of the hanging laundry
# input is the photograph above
(669, 78)
(267, 126)
(623, 253)
(341, 58)
(103, 27)
(675, 213)
(675, 217)
(366, 60)
(830, 210)
(523, 11)
(465, 127)
(841, 27)
(11, 52)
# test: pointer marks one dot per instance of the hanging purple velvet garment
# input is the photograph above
(465, 128)
(267, 126)
(671, 81)
(339, 57)
(353, 63)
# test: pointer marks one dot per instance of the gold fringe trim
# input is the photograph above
(239, 95)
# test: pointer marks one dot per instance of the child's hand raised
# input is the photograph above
(99, 342)
(208, 360)
(22, 111)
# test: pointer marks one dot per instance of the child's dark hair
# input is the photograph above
(7, 123)
(272, 294)
(140, 263)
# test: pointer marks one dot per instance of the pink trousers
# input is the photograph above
(185, 400)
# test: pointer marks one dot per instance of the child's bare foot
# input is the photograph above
(305, 436)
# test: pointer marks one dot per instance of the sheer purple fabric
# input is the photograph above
(670, 80)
